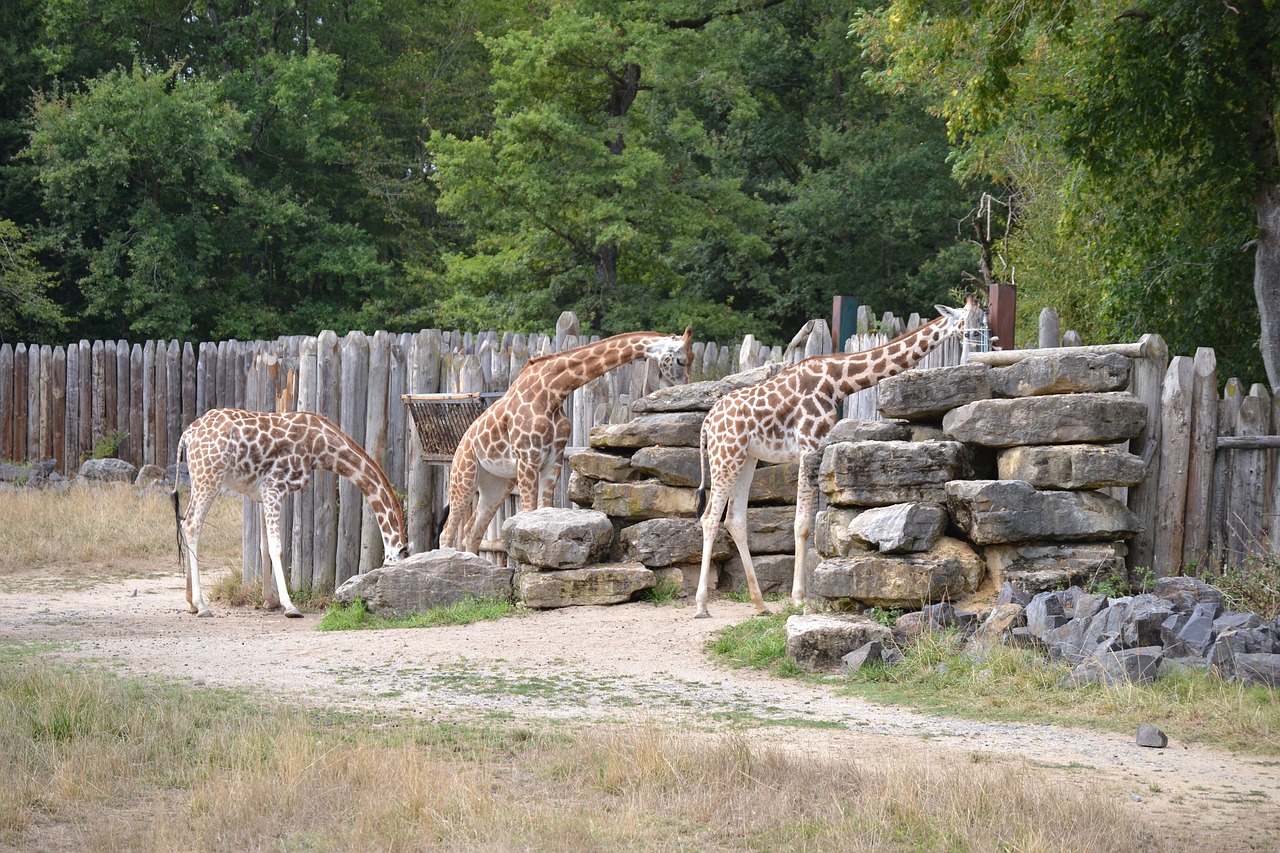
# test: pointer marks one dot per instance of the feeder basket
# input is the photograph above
(441, 420)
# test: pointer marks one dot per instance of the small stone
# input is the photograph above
(1152, 737)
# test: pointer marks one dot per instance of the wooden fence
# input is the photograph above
(63, 402)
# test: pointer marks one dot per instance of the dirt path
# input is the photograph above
(636, 663)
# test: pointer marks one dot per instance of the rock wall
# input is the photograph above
(981, 474)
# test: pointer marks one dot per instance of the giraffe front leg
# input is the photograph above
(271, 525)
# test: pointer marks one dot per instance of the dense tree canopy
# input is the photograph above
(214, 168)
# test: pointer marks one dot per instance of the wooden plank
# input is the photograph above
(424, 503)
(58, 415)
(352, 408)
(1144, 498)
(148, 402)
(1272, 508)
(46, 402)
(172, 400)
(1175, 450)
(1228, 415)
(189, 378)
(375, 443)
(302, 533)
(1050, 329)
(71, 428)
(397, 419)
(1251, 442)
(137, 419)
(128, 444)
(32, 451)
(98, 402)
(110, 424)
(7, 450)
(160, 405)
(252, 538)
(328, 403)
(1204, 435)
(1248, 477)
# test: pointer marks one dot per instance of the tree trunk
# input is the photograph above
(1266, 278)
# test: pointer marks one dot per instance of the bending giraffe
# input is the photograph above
(520, 439)
(266, 456)
(781, 419)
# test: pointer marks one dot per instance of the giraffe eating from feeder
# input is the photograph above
(520, 439)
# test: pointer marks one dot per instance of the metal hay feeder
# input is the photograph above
(441, 420)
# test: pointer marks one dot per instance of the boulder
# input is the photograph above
(554, 538)
(1098, 418)
(1189, 635)
(35, 474)
(669, 541)
(926, 394)
(947, 571)
(642, 499)
(876, 652)
(423, 581)
(1071, 466)
(774, 572)
(700, 396)
(1071, 374)
(831, 536)
(1185, 593)
(1258, 668)
(1039, 566)
(672, 466)
(1002, 619)
(1045, 613)
(1117, 668)
(671, 429)
(108, 471)
(607, 583)
(880, 473)
(774, 484)
(1151, 737)
(599, 465)
(819, 641)
(900, 528)
(1141, 626)
(993, 512)
(149, 475)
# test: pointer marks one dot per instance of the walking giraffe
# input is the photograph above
(520, 439)
(266, 456)
(784, 417)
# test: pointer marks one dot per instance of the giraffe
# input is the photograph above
(520, 439)
(266, 456)
(781, 419)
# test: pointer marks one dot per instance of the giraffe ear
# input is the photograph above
(688, 333)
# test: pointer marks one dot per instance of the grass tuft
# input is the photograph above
(356, 616)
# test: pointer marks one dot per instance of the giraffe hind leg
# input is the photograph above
(736, 522)
(271, 526)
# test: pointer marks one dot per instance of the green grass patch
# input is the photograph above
(356, 617)
(663, 592)
(942, 675)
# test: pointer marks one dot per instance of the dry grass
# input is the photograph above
(98, 763)
(90, 533)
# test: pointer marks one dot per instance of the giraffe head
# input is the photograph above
(969, 320)
(675, 356)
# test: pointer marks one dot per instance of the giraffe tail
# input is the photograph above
(177, 509)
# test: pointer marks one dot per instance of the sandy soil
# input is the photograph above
(636, 663)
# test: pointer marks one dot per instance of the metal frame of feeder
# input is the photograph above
(441, 420)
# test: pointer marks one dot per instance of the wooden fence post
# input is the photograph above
(7, 450)
(375, 443)
(1248, 477)
(1175, 450)
(1204, 435)
(58, 427)
(328, 403)
(129, 445)
(354, 404)
(1050, 329)
(302, 533)
(1228, 416)
(21, 373)
(1144, 498)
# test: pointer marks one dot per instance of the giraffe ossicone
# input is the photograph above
(784, 417)
(519, 440)
(266, 456)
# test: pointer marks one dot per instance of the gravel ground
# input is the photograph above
(633, 663)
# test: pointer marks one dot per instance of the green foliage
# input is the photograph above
(664, 591)
(760, 643)
(27, 310)
(355, 616)
(108, 446)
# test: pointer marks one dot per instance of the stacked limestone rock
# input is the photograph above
(644, 475)
(915, 515)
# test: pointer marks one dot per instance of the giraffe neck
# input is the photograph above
(350, 460)
(853, 372)
(574, 368)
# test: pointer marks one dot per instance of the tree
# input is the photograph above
(26, 310)
(1164, 116)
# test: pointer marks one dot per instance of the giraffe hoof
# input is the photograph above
(206, 612)
(293, 613)
(703, 614)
